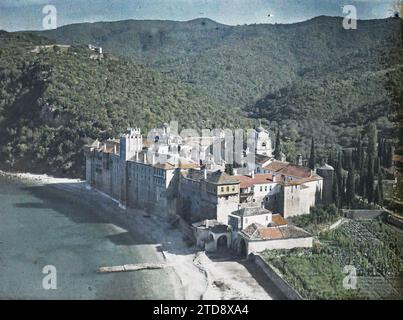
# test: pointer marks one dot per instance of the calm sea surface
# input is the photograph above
(41, 226)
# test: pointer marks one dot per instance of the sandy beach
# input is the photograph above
(198, 275)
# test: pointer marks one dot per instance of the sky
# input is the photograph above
(27, 14)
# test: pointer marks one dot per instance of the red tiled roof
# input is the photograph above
(270, 233)
(256, 231)
(276, 166)
(289, 169)
(261, 159)
(247, 181)
(296, 171)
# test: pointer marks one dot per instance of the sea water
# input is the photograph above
(42, 226)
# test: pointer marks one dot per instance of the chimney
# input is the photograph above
(137, 156)
(253, 174)
(145, 157)
(153, 159)
(205, 173)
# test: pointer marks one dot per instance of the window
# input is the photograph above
(227, 189)
(233, 188)
(222, 189)
(265, 188)
(267, 218)
(261, 188)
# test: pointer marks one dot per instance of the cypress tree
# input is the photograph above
(339, 168)
(336, 195)
(359, 156)
(277, 149)
(348, 159)
(377, 165)
(312, 158)
(350, 189)
(330, 160)
(372, 140)
(369, 185)
(343, 199)
(379, 190)
(361, 184)
(380, 148)
(229, 169)
(389, 157)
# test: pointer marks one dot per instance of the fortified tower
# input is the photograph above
(326, 172)
(130, 143)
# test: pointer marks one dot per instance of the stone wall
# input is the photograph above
(298, 199)
(395, 221)
(286, 289)
(362, 214)
(261, 245)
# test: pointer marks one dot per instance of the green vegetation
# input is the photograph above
(310, 79)
(53, 100)
(374, 248)
(314, 276)
(318, 218)
(361, 170)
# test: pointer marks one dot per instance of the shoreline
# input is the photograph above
(195, 276)
(37, 178)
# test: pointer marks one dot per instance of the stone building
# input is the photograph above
(256, 229)
(171, 175)
(209, 195)
(326, 172)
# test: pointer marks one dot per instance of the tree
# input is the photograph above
(359, 154)
(348, 159)
(312, 158)
(361, 184)
(229, 169)
(369, 185)
(350, 188)
(372, 140)
(277, 149)
(336, 194)
(379, 190)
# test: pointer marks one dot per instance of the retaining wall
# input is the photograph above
(287, 290)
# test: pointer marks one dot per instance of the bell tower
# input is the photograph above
(263, 142)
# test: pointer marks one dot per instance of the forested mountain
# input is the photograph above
(248, 61)
(52, 98)
(310, 79)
